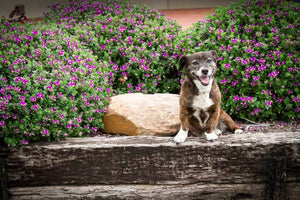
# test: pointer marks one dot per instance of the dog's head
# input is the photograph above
(199, 66)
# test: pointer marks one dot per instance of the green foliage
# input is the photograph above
(57, 76)
(51, 85)
(258, 57)
(137, 43)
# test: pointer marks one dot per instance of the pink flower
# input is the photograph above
(269, 103)
(227, 66)
(40, 95)
(33, 99)
(35, 107)
(273, 74)
(45, 132)
(22, 103)
(2, 124)
(24, 142)
(236, 98)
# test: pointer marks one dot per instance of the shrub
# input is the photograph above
(137, 43)
(258, 57)
(51, 86)
(57, 76)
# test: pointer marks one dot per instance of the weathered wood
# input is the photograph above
(3, 178)
(276, 183)
(233, 160)
(164, 192)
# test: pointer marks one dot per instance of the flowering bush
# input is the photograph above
(51, 86)
(258, 57)
(137, 43)
(57, 76)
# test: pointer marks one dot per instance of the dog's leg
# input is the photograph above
(211, 131)
(181, 136)
(229, 123)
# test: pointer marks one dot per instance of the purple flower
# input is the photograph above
(273, 74)
(224, 81)
(296, 99)
(33, 99)
(40, 95)
(262, 61)
(248, 30)
(234, 41)
(246, 62)
(24, 142)
(61, 53)
(35, 107)
(236, 98)
(227, 66)
(269, 103)
(22, 98)
(2, 124)
(69, 126)
(45, 132)
(230, 12)
(50, 88)
(258, 44)
(95, 128)
(22, 103)
(256, 78)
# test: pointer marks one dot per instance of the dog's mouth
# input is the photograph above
(204, 80)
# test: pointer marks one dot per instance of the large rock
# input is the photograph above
(143, 114)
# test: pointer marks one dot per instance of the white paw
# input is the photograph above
(238, 131)
(211, 136)
(218, 131)
(181, 136)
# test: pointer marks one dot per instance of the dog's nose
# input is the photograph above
(204, 71)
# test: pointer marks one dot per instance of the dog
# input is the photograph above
(200, 99)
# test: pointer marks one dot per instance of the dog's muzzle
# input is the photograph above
(203, 75)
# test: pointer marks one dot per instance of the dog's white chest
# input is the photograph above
(200, 104)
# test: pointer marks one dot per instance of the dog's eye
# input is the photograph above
(209, 60)
(194, 63)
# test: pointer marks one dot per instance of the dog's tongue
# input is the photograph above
(205, 80)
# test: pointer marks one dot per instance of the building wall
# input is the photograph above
(36, 8)
(32, 8)
(183, 4)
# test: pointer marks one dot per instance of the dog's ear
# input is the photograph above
(214, 53)
(182, 62)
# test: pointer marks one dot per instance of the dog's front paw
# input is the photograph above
(218, 131)
(211, 136)
(181, 136)
(238, 131)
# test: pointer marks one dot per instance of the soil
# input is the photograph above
(268, 127)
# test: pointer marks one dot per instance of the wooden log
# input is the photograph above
(233, 160)
(3, 178)
(164, 192)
